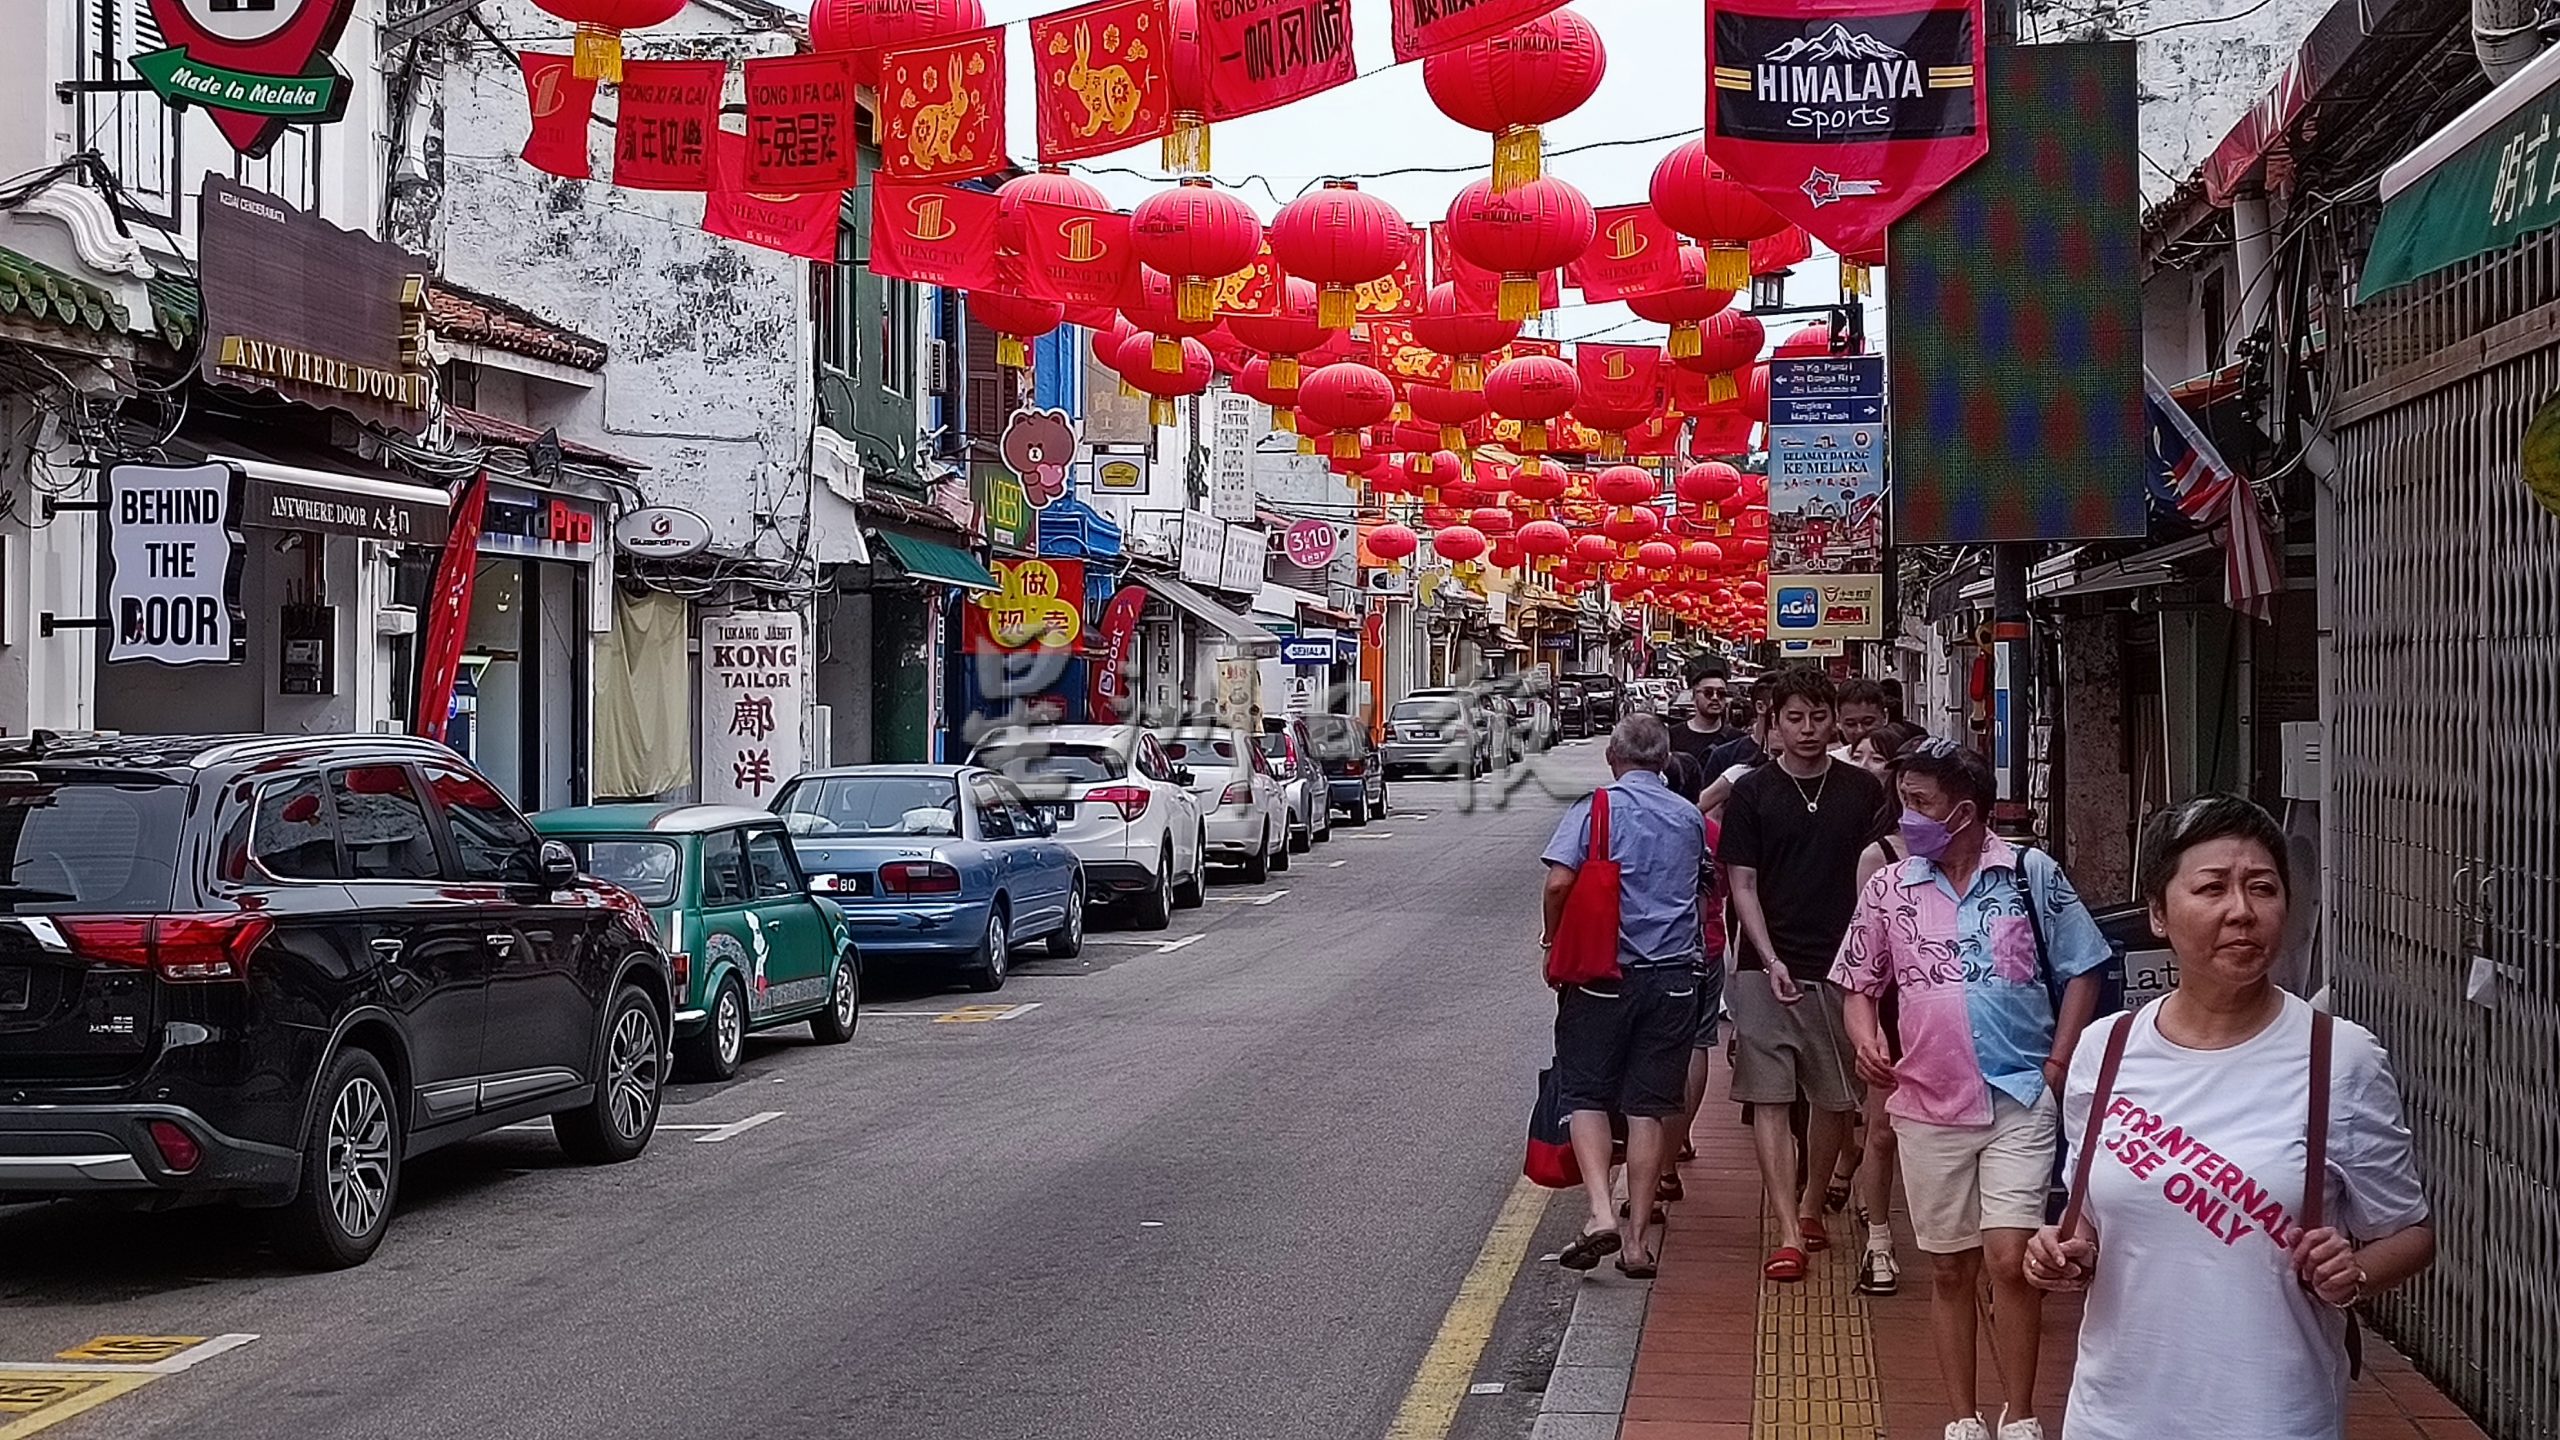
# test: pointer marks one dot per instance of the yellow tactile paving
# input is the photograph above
(1817, 1371)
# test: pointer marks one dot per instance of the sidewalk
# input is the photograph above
(1725, 1355)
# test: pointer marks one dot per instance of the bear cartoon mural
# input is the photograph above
(1040, 446)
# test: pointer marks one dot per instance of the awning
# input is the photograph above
(937, 564)
(1229, 625)
(2468, 189)
(2073, 573)
(298, 487)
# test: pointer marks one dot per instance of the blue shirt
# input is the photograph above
(1658, 839)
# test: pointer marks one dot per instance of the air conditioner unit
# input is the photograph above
(2306, 745)
(937, 367)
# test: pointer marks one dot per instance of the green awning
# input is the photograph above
(33, 291)
(2486, 180)
(940, 564)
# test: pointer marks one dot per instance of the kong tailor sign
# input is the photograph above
(257, 67)
(752, 697)
(1844, 114)
(169, 590)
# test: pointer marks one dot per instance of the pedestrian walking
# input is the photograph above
(1705, 728)
(1686, 778)
(2219, 1276)
(1789, 852)
(1972, 934)
(1623, 1047)
(1860, 710)
(1746, 749)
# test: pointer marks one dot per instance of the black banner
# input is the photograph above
(1843, 79)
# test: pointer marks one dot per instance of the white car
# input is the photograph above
(1241, 803)
(1121, 805)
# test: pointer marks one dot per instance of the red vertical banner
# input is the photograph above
(1632, 253)
(1843, 115)
(449, 609)
(934, 234)
(1102, 74)
(662, 129)
(1401, 291)
(802, 225)
(1426, 27)
(1479, 289)
(1393, 348)
(800, 124)
(1264, 53)
(1077, 256)
(942, 108)
(561, 104)
(1253, 290)
(1618, 377)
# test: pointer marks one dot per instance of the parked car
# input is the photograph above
(1241, 801)
(750, 947)
(1601, 699)
(1292, 756)
(1439, 731)
(1355, 772)
(949, 865)
(1121, 804)
(1573, 713)
(272, 971)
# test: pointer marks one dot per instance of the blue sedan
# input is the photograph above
(939, 863)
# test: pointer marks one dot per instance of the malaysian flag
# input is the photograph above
(2191, 476)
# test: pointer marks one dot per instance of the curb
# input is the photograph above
(1595, 1363)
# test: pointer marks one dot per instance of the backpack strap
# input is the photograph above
(2107, 1068)
(2035, 924)
(2315, 1149)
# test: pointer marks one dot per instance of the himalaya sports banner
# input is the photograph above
(1844, 114)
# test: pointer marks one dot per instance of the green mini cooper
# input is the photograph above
(749, 946)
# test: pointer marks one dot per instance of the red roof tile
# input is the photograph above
(465, 315)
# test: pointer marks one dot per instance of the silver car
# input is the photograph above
(1438, 732)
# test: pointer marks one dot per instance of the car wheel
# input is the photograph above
(616, 1125)
(1155, 908)
(834, 1025)
(714, 1054)
(994, 954)
(1324, 819)
(1257, 866)
(1358, 814)
(1193, 893)
(1280, 852)
(1302, 837)
(350, 1169)
(1067, 941)
(1378, 810)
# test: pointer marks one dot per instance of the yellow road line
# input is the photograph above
(33, 1399)
(1431, 1406)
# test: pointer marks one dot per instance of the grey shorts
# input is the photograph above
(1624, 1048)
(1786, 1053)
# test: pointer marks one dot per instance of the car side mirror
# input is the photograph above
(557, 867)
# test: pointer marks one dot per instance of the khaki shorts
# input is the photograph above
(1786, 1053)
(1964, 1179)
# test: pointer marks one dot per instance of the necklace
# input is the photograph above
(1812, 802)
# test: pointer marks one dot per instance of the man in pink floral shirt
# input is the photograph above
(1974, 933)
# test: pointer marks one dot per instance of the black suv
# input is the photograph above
(271, 969)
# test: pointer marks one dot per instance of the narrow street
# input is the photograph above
(1223, 1180)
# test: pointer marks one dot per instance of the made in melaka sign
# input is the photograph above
(1843, 115)
(257, 67)
(169, 573)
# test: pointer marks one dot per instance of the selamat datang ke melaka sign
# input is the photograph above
(1842, 115)
(327, 317)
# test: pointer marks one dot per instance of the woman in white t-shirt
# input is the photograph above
(2208, 1300)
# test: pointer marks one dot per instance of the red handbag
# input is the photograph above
(1585, 949)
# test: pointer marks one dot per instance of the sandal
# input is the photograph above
(1688, 1151)
(1670, 1188)
(1588, 1250)
(1787, 1264)
(1815, 1237)
(1835, 1198)
(1644, 1269)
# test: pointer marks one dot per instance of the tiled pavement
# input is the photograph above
(1724, 1355)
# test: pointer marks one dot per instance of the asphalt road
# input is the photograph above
(1224, 1189)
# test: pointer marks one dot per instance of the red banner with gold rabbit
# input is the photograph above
(942, 108)
(1103, 76)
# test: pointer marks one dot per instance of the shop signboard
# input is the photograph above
(169, 582)
(1120, 470)
(1240, 568)
(1826, 607)
(349, 507)
(1005, 513)
(1307, 650)
(1826, 465)
(1230, 455)
(1038, 604)
(257, 67)
(1204, 548)
(662, 532)
(752, 690)
(322, 316)
(1312, 544)
(540, 526)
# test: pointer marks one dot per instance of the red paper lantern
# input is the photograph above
(1261, 375)
(1521, 233)
(1448, 327)
(1017, 321)
(1346, 398)
(1140, 362)
(1545, 542)
(1046, 186)
(596, 53)
(1159, 311)
(1440, 469)
(1506, 553)
(1685, 306)
(1856, 267)
(1631, 528)
(1540, 483)
(1451, 410)
(1458, 544)
(1532, 389)
(1185, 150)
(1285, 336)
(1510, 84)
(1728, 341)
(1493, 520)
(867, 27)
(1702, 555)
(1696, 198)
(1199, 235)
(1706, 485)
(1341, 237)
(1625, 486)
(1814, 339)
(1657, 555)
(1394, 544)
(1611, 424)
(1594, 549)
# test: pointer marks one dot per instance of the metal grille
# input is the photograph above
(2445, 750)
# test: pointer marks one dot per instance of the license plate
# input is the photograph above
(17, 982)
(1064, 813)
(854, 884)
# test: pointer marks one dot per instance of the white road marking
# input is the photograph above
(185, 1359)
(1150, 1224)
(1335, 864)
(1375, 835)
(1184, 943)
(1487, 1387)
(738, 1128)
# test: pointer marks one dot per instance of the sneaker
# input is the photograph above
(1881, 1274)
(1968, 1428)
(2020, 1429)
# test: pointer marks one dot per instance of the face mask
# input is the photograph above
(1925, 837)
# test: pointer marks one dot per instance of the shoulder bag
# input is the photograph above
(1585, 948)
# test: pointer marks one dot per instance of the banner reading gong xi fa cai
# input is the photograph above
(1842, 115)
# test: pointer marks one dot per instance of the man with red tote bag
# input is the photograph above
(1621, 938)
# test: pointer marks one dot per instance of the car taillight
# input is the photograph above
(1239, 792)
(919, 877)
(1355, 767)
(823, 884)
(178, 1149)
(178, 947)
(679, 969)
(1130, 800)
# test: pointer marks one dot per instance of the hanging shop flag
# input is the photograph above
(800, 123)
(1103, 77)
(1658, 435)
(1395, 351)
(448, 618)
(662, 133)
(256, 68)
(934, 234)
(1254, 290)
(1114, 675)
(1619, 377)
(942, 108)
(1426, 27)
(1479, 289)
(1077, 256)
(1783, 251)
(802, 225)
(1400, 291)
(1264, 53)
(561, 104)
(1842, 115)
(1633, 253)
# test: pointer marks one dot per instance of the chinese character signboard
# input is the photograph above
(1262, 53)
(664, 119)
(169, 586)
(2503, 185)
(316, 314)
(800, 123)
(1039, 604)
(1826, 465)
(1231, 440)
(751, 704)
(1240, 567)
(258, 67)
(1204, 548)
(1005, 516)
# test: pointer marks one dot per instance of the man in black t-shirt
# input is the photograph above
(1745, 748)
(1706, 727)
(1792, 832)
